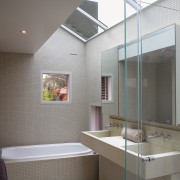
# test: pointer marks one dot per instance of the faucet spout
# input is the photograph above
(156, 135)
(113, 125)
(153, 135)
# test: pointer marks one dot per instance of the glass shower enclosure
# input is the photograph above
(148, 64)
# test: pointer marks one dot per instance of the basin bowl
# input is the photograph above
(112, 147)
(147, 149)
(108, 137)
(100, 134)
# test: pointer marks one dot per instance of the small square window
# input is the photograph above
(56, 87)
(106, 88)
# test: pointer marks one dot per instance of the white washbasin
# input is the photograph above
(165, 160)
(117, 141)
(99, 134)
(157, 161)
(148, 149)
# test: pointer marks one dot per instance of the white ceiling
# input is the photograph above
(40, 18)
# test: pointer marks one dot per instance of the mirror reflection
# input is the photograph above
(157, 83)
(157, 70)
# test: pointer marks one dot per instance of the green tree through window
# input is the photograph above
(55, 87)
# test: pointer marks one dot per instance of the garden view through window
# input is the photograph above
(55, 87)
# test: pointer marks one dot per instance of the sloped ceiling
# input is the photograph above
(40, 18)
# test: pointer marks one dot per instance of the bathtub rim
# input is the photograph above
(84, 153)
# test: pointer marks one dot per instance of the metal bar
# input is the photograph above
(73, 33)
(134, 4)
(103, 26)
(148, 159)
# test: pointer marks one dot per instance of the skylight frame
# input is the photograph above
(73, 33)
(133, 3)
(96, 21)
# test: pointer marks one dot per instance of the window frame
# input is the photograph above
(69, 86)
(110, 88)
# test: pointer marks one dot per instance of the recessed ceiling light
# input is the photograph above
(23, 31)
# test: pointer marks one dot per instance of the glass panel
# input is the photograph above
(158, 85)
(82, 25)
(159, 63)
(152, 87)
(132, 94)
(124, 75)
(107, 11)
(149, 88)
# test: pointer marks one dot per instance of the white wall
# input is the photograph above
(24, 120)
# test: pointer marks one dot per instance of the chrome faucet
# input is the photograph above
(113, 125)
(153, 135)
(156, 135)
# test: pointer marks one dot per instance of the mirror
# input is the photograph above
(159, 84)
(109, 82)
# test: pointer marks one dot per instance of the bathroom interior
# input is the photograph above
(118, 95)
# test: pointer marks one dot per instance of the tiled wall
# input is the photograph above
(172, 143)
(23, 119)
(74, 168)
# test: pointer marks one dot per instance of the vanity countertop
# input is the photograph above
(114, 147)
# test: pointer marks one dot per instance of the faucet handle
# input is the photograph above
(114, 125)
(167, 136)
(153, 134)
(119, 125)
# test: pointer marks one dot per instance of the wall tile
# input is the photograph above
(24, 120)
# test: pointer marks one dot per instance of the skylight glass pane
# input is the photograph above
(145, 3)
(82, 25)
(107, 11)
(94, 16)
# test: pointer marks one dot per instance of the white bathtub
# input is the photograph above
(51, 161)
(48, 151)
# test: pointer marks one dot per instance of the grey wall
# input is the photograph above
(165, 92)
(156, 88)
(23, 119)
(150, 91)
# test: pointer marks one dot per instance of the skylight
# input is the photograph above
(93, 17)
(145, 3)
(110, 12)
